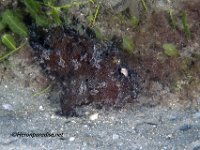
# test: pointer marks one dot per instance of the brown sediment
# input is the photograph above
(156, 32)
(179, 73)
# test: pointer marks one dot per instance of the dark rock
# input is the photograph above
(196, 147)
(185, 127)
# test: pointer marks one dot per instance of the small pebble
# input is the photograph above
(73, 121)
(53, 117)
(115, 136)
(41, 108)
(169, 136)
(71, 139)
(85, 126)
(7, 106)
(197, 115)
(94, 116)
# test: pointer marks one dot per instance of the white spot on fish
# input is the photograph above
(45, 55)
(58, 53)
(124, 71)
(83, 88)
(95, 60)
(94, 92)
(102, 85)
(61, 62)
(83, 57)
(76, 64)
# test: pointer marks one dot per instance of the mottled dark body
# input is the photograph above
(89, 71)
